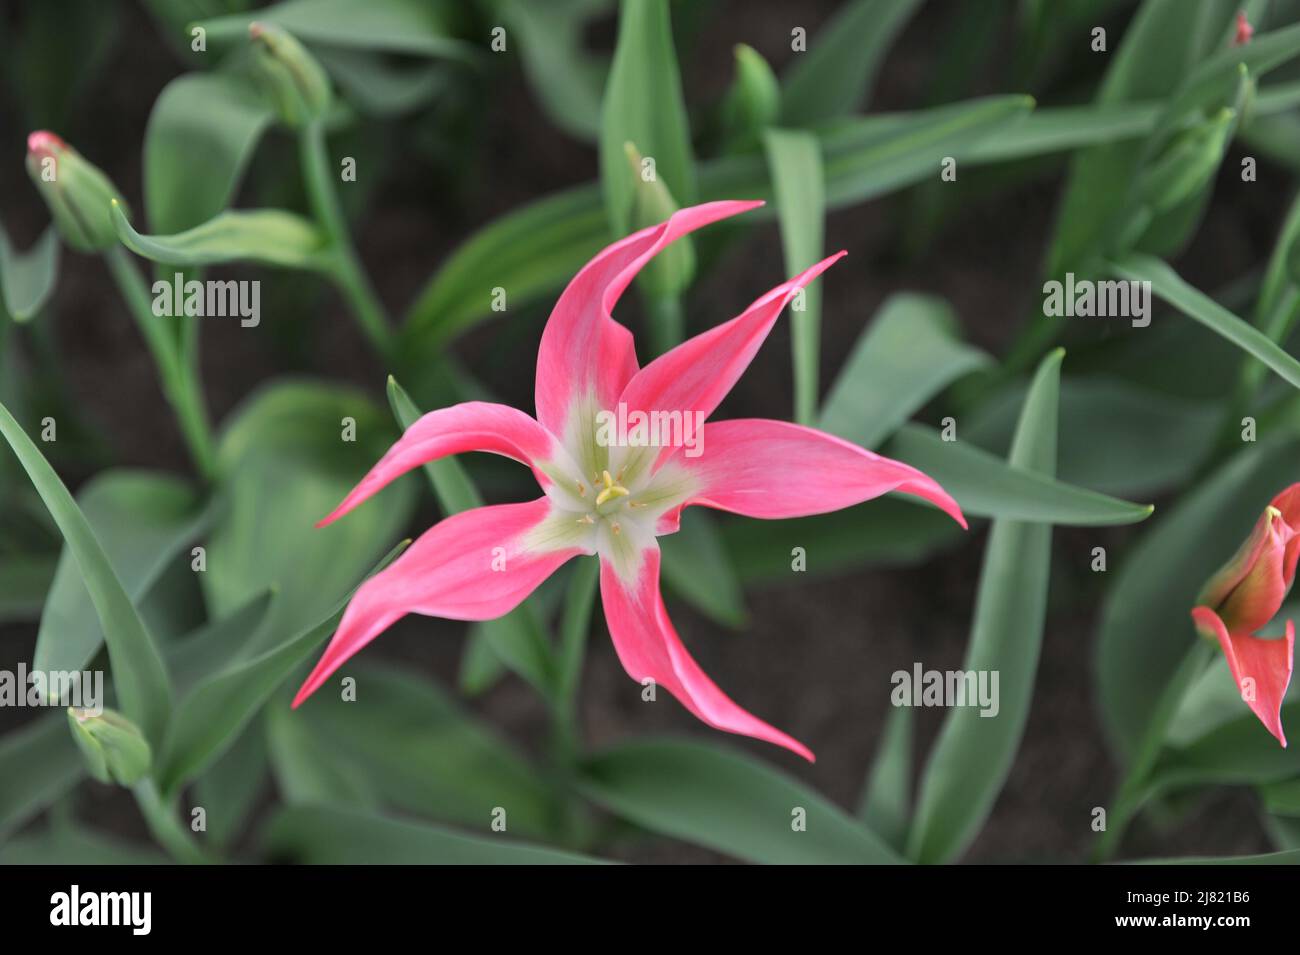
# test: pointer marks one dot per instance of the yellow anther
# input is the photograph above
(586, 519)
(611, 490)
(582, 489)
(613, 526)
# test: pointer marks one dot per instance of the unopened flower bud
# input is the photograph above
(79, 195)
(754, 100)
(114, 748)
(1187, 163)
(671, 271)
(1244, 596)
(292, 78)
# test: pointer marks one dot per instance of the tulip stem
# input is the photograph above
(347, 273)
(176, 357)
(162, 822)
(1136, 787)
(575, 623)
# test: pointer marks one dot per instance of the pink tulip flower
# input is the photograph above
(610, 499)
(1244, 596)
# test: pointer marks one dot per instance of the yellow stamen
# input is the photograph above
(613, 526)
(611, 490)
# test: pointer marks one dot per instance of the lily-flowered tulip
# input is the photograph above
(1244, 596)
(614, 500)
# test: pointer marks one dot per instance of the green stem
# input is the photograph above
(1135, 789)
(162, 822)
(347, 273)
(574, 625)
(667, 322)
(178, 372)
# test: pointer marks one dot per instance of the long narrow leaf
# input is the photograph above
(714, 797)
(38, 763)
(906, 356)
(834, 75)
(987, 486)
(1196, 305)
(138, 670)
(795, 161)
(142, 519)
(28, 278)
(973, 754)
(887, 796)
(202, 133)
(321, 836)
(268, 236)
(643, 105)
(209, 719)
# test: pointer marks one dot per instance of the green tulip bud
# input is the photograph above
(754, 100)
(114, 748)
(78, 193)
(292, 79)
(670, 272)
(1188, 163)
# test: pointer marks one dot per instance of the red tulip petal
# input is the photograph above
(583, 350)
(774, 469)
(649, 647)
(1260, 667)
(696, 375)
(1259, 591)
(471, 426)
(476, 565)
(1288, 503)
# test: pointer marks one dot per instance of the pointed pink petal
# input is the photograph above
(1288, 502)
(649, 647)
(475, 565)
(774, 469)
(471, 426)
(1266, 663)
(583, 349)
(697, 374)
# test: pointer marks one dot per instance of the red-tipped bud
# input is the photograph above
(78, 194)
(1244, 30)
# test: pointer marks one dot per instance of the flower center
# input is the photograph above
(611, 492)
